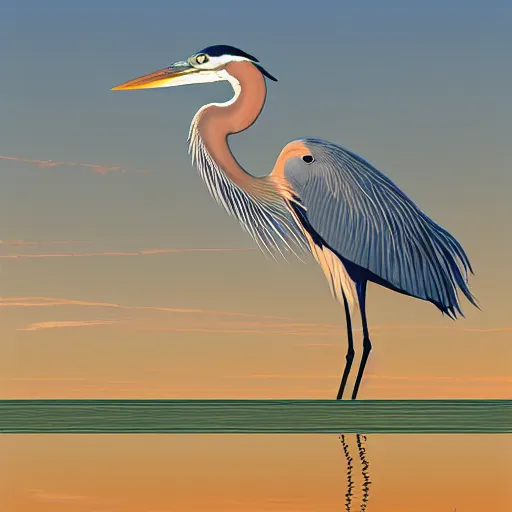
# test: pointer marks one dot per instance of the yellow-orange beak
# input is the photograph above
(180, 73)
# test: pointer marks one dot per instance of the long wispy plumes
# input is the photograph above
(95, 168)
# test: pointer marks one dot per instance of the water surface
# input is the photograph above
(255, 473)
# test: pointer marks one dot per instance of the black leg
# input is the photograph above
(350, 350)
(367, 345)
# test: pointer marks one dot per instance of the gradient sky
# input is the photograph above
(121, 277)
(420, 89)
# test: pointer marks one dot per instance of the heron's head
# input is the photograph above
(207, 65)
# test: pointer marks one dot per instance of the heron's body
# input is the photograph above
(319, 198)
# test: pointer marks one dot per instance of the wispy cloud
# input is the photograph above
(144, 252)
(95, 168)
(42, 379)
(28, 243)
(55, 324)
(40, 302)
(67, 379)
(49, 497)
(96, 503)
(495, 379)
(238, 326)
(299, 329)
(205, 322)
(278, 376)
(436, 378)
(279, 326)
(491, 329)
(379, 328)
(437, 327)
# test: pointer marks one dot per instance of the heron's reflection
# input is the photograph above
(360, 448)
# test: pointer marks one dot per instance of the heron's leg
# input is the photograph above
(350, 350)
(367, 345)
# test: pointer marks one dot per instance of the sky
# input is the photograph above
(121, 277)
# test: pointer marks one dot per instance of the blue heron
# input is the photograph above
(320, 198)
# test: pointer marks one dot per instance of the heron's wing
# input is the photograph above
(366, 219)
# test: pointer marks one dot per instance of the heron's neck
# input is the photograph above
(215, 122)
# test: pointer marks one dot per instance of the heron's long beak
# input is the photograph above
(180, 73)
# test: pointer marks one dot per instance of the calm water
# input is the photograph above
(255, 473)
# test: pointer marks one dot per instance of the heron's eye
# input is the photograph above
(202, 58)
(308, 159)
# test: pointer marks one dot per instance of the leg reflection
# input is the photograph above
(350, 480)
(365, 473)
(365, 465)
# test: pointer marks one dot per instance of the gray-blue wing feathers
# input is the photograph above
(369, 221)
